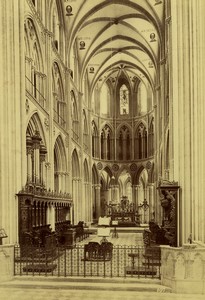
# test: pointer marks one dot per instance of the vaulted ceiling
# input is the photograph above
(114, 36)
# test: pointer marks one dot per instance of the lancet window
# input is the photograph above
(124, 100)
(124, 144)
(35, 77)
(95, 143)
(106, 143)
(58, 96)
(74, 116)
(141, 142)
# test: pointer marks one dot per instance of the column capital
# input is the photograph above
(151, 184)
(97, 186)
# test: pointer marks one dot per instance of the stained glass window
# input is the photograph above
(124, 100)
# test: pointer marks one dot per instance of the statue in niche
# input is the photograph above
(168, 203)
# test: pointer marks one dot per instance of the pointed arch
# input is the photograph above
(36, 151)
(142, 99)
(60, 152)
(85, 132)
(76, 186)
(86, 171)
(95, 140)
(107, 143)
(95, 175)
(151, 138)
(74, 116)
(59, 105)
(123, 95)
(140, 142)
(124, 143)
(60, 165)
(35, 124)
(56, 25)
(75, 165)
(34, 63)
(105, 100)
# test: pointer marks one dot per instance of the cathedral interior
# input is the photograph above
(102, 115)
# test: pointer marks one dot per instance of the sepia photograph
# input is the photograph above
(102, 149)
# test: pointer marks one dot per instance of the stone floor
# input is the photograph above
(64, 294)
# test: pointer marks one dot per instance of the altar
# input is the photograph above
(124, 213)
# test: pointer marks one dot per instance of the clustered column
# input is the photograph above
(36, 157)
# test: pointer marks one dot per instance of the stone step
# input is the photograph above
(108, 284)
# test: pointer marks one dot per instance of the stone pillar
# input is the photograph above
(117, 193)
(84, 201)
(138, 190)
(76, 201)
(109, 198)
(151, 200)
(187, 111)
(47, 168)
(97, 195)
(52, 217)
(43, 152)
(134, 196)
(104, 147)
(124, 148)
(36, 146)
(29, 148)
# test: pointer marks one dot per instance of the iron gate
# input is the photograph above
(119, 261)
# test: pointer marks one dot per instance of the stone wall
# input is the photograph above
(183, 269)
(6, 262)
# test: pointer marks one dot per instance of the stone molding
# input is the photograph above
(6, 262)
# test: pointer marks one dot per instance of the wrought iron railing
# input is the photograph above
(34, 92)
(122, 261)
(59, 119)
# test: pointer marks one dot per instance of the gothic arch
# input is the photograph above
(56, 22)
(35, 150)
(108, 170)
(122, 124)
(76, 186)
(124, 142)
(95, 140)
(34, 62)
(106, 142)
(31, 35)
(60, 154)
(58, 95)
(137, 175)
(140, 141)
(151, 138)
(86, 171)
(123, 95)
(95, 175)
(75, 165)
(85, 131)
(35, 124)
(60, 165)
(74, 116)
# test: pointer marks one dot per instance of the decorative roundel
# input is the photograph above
(148, 165)
(115, 167)
(99, 166)
(133, 167)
